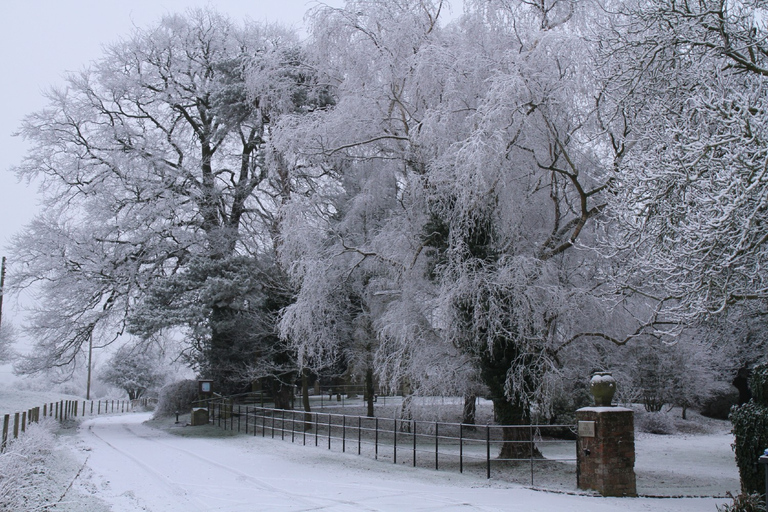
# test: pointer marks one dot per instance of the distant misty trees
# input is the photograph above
(492, 206)
(135, 370)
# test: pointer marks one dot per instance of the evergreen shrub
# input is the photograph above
(750, 426)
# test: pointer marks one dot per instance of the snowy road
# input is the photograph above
(134, 467)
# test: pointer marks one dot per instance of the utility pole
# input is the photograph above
(2, 289)
(90, 354)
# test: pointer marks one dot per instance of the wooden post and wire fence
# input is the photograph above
(16, 423)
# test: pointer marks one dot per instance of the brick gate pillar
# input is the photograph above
(605, 452)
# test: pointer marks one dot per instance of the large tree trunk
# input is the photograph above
(517, 440)
(470, 409)
(494, 365)
(223, 356)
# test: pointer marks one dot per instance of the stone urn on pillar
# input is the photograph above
(603, 387)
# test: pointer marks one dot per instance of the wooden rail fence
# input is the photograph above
(64, 410)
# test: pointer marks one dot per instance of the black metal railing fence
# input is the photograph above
(420, 443)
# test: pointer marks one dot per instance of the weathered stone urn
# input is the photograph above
(603, 387)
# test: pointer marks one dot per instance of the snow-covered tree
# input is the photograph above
(136, 369)
(245, 294)
(489, 139)
(7, 339)
(152, 157)
(690, 197)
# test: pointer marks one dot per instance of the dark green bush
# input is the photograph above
(750, 426)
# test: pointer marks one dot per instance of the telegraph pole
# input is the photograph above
(2, 289)
(90, 356)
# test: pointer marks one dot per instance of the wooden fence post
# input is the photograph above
(6, 421)
(24, 421)
(15, 425)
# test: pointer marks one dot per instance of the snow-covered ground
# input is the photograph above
(126, 465)
(15, 400)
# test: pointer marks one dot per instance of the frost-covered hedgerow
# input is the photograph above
(176, 397)
(23, 476)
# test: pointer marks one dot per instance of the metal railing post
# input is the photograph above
(437, 446)
(488, 451)
(530, 455)
(461, 448)
(394, 432)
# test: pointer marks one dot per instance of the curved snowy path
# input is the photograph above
(134, 467)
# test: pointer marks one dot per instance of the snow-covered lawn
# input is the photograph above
(128, 466)
(15, 400)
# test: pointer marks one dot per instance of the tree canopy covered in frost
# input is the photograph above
(468, 163)
(480, 206)
(690, 201)
(151, 158)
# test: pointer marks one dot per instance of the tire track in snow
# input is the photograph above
(440, 502)
(177, 491)
(307, 500)
(306, 503)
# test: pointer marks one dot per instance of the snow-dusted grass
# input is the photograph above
(36, 473)
(22, 468)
